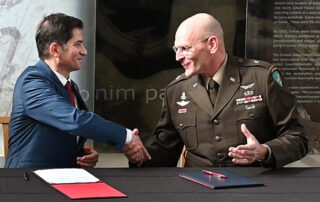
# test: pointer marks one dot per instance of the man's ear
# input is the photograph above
(54, 50)
(213, 44)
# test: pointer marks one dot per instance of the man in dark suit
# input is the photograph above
(225, 110)
(49, 121)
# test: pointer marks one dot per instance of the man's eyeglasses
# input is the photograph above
(186, 49)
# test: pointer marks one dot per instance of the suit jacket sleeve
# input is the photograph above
(43, 103)
(290, 143)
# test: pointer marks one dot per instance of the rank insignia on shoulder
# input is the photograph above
(246, 100)
(276, 76)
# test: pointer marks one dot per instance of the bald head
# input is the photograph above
(199, 26)
(199, 45)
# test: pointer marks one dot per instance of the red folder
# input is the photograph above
(88, 190)
(77, 183)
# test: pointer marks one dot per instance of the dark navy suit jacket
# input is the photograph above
(44, 124)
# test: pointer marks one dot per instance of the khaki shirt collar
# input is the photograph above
(218, 76)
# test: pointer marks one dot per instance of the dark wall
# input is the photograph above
(134, 59)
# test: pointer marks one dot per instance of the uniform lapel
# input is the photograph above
(229, 86)
(199, 94)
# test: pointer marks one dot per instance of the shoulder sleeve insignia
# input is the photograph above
(276, 76)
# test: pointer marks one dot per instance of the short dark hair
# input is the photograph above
(55, 28)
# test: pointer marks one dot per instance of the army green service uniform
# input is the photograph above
(252, 92)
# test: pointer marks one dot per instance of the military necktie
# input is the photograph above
(71, 94)
(213, 90)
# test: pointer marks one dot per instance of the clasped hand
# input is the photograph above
(90, 159)
(135, 150)
(250, 152)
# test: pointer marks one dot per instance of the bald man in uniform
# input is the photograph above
(245, 116)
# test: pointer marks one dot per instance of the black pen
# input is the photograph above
(25, 176)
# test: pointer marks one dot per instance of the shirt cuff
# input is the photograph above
(129, 136)
(269, 152)
(268, 157)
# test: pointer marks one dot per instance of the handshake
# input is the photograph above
(135, 150)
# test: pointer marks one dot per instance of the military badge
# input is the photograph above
(276, 76)
(195, 85)
(251, 106)
(183, 103)
(248, 92)
(181, 111)
(183, 96)
(246, 87)
(246, 100)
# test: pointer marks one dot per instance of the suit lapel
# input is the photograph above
(229, 86)
(199, 94)
(80, 101)
(82, 106)
(62, 90)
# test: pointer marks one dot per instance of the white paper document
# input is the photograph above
(66, 175)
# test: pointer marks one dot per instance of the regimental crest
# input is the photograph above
(195, 85)
(183, 101)
(247, 86)
(183, 96)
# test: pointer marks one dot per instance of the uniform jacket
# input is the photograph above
(44, 124)
(249, 94)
